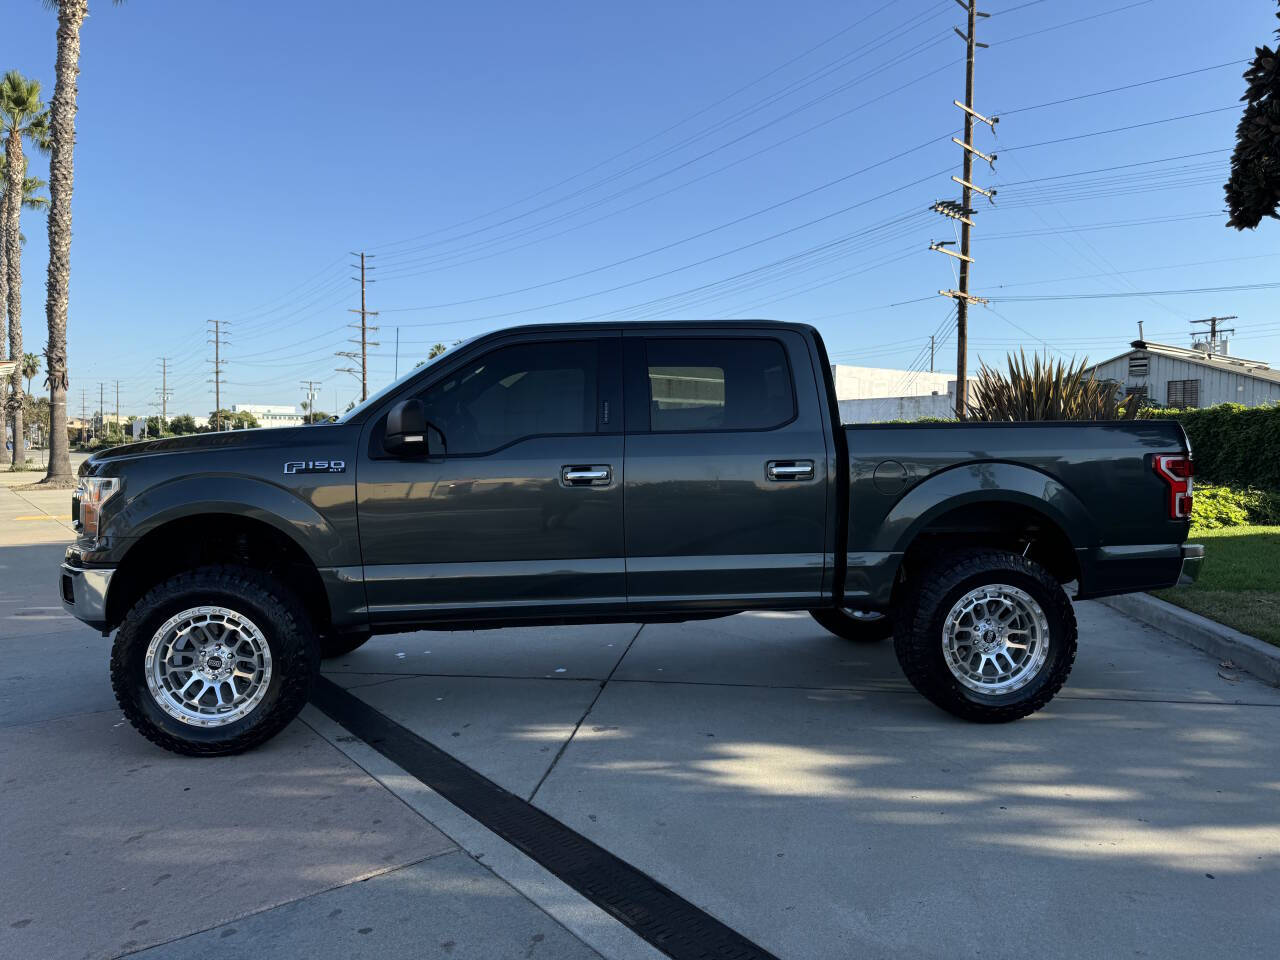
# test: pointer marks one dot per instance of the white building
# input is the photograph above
(877, 394)
(270, 414)
(1197, 377)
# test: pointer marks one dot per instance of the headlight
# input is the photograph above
(92, 493)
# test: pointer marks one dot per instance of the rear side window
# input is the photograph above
(720, 384)
(526, 390)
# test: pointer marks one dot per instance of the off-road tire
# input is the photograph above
(340, 644)
(295, 658)
(846, 627)
(918, 632)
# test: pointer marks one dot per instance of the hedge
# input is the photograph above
(1214, 507)
(1233, 445)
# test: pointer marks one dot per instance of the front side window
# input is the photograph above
(509, 394)
(722, 384)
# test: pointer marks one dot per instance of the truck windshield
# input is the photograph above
(376, 398)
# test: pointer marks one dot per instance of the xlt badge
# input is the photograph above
(316, 466)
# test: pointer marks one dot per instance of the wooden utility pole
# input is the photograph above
(164, 392)
(218, 341)
(311, 400)
(963, 212)
(364, 341)
(931, 353)
(1213, 329)
(118, 406)
(102, 408)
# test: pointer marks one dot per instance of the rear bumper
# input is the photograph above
(1192, 560)
(84, 593)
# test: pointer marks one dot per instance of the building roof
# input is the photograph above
(1238, 365)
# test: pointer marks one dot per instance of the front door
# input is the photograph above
(519, 512)
(726, 470)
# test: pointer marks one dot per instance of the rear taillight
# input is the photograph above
(1176, 469)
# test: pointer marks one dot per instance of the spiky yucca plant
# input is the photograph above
(1035, 390)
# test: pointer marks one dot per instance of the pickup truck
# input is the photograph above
(591, 473)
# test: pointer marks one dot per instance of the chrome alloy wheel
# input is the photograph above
(995, 639)
(208, 666)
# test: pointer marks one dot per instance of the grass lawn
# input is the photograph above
(1239, 584)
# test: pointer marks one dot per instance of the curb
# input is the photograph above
(1249, 653)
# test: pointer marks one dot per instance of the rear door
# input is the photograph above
(726, 469)
(520, 514)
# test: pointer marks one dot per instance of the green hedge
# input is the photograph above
(1215, 507)
(1233, 445)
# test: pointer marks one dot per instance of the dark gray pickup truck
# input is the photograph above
(595, 473)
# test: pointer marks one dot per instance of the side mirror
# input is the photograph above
(406, 433)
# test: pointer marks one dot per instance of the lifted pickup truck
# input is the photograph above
(592, 473)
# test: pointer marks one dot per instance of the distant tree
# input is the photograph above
(30, 367)
(1253, 191)
(436, 350)
(183, 423)
(243, 421)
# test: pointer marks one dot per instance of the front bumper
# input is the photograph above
(84, 593)
(1192, 561)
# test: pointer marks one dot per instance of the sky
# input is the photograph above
(508, 162)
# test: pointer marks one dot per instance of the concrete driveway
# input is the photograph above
(784, 781)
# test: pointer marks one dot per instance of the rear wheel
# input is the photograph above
(213, 661)
(987, 635)
(860, 626)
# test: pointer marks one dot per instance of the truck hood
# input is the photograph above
(202, 442)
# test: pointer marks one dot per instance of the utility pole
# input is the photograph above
(311, 400)
(364, 341)
(219, 341)
(164, 392)
(963, 211)
(102, 409)
(396, 375)
(118, 407)
(1214, 331)
(84, 413)
(931, 353)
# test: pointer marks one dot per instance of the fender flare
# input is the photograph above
(234, 495)
(986, 482)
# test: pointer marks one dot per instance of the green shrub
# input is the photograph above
(1216, 506)
(1233, 445)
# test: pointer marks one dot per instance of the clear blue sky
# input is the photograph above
(230, 155)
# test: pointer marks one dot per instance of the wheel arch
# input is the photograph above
(1002, 505)
(188, 540)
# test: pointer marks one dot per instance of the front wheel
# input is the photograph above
(986, 635)
(214, 661)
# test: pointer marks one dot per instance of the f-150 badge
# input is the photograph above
(316, 466)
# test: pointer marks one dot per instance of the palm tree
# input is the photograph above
(22, 116)
(30, 367)
(31, 200)
(62, 122)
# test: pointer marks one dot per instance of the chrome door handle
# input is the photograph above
(586, 476)
(790, 469)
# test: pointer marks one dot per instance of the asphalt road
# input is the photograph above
(785, 781)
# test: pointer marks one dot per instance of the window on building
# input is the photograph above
(1137, 390)
(1183, 393)
(509, 394)
(739, 384)
(1139, 366)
